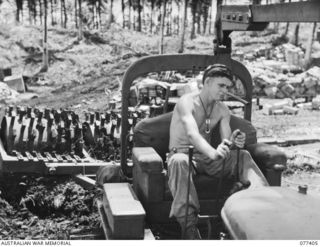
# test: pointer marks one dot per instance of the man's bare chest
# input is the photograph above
(207, 121)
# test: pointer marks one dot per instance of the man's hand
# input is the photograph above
(238, 138)
(222, 150)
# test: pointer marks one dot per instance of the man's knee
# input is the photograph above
(246, 158)
(245, 153)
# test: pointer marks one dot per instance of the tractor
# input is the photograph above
(267, 213)
(52, 142)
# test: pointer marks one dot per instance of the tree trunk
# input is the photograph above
(143, 15)
(287, 25)
(110, 14)
(213, 16)
(169, 19)
(99, 13)
(65, 14)
(208, 22)
(307, 57)
(151, 16)
(193, 11)
(18, 4)
(198, 16)
(45, 57)
(34, 9)
(296, 35)
(129, 18)
(286, 29)
(123, 14)
(134, 24)
(80, 32)
(163, 16)
(94, 15)
(178, 19)
(205, 17)
(21, 11)
(40, 11)
(183, 25)
(76, 13)
(139, 8)
(30, 11)
(61, 13)
(51, 13)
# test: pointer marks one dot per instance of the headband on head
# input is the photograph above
(217, 70)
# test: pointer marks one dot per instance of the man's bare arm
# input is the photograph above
(225, 130)
(185, 108)
(237, 137)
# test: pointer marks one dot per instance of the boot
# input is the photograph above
(239, 186)
(191, 231)
(235, 188)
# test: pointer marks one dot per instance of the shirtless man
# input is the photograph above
(194, 117)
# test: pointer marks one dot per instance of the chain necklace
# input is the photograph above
(208, 120)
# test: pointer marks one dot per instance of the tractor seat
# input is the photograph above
(151, 142)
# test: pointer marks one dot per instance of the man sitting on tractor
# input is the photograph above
(194, 117)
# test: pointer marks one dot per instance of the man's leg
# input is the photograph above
(178, 169)
(246, 168)
(249, 171)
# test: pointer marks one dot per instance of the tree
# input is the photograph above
(198, 16)
(307, 56)
(143, 15)
(177, 18)
(51, 13)
(169, 18)
(123, 6)
(64, 16)
(80, 32)
(163, 16)
(45, 56)
(296, 34)
(183, 26)
(110, 14)
(40, 11)
(286, 30)
(129, 17)
(34, 11)
(76, 13)
(29, 9)
(19, 4)
(213, 16)
(153, 2)
(139, 8)
(193, 12)
(99, 13)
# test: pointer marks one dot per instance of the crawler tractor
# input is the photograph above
(52, 142)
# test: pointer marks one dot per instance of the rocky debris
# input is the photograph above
(279, 85)
(278, 72)
(6, 92)
(301, 161)
(316, 103)
(15, 82)
(289, 106)
(284, 106)
(45, 208)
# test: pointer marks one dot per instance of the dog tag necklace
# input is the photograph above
(208, 120)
